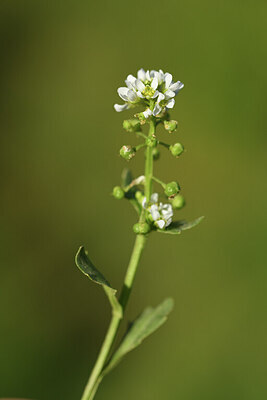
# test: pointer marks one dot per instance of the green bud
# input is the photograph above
(178, 202)
(171, 125)
(141, 228)
(155, 153)
(151, 141)
(131, 125)
(118, 192)
(127, 152)
(141, 118)
(171, 189)
(176, 149)
(139, 196)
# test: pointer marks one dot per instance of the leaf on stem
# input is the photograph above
(126, 177)
(176, 227)
(148, 322)
(87, 268)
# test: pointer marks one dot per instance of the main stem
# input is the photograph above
(95, 377)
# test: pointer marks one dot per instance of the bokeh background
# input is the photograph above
(61, 63)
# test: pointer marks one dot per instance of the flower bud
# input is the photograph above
(176, 149)
(155, 153)
(141, 228)
(141, 117)
(131, 125)
(118, 192)
(171, 125)
(127, 152)
(139, 196)
(171, 189)
(178, 202)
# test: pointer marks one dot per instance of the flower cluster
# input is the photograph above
(153, 89)
(159, 213)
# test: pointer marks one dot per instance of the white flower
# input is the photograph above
(149, 86)
(160, 213)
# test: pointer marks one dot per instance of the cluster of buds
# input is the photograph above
(155, 91)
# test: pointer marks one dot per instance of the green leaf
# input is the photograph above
(126, 177)
(175, 228)
(148, 322)
(87, 268)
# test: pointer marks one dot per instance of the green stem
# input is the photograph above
(159, 181)
(95, 377)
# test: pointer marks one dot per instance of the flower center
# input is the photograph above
(148, 91)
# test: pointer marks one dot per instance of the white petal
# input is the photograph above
(175, 87)
(144, 205)
(168, 222)
(155, 94)
(148, 75)
(141, 74)
(147, 113)
(154, 83)
(170, 103)
(161, 97)
(139, 84)
(160, 223)
(154, 212)
(123, 93)
(154, 198)
(131, 78)
(169, 94)
(132, 96)
(139, 180)
(139, 94)
(129, 84)
(168, 80)
(157, 109)
(120, 107)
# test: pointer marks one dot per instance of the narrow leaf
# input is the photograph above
(148, 322)
(126, 177)
(87, 268)
(175, 228)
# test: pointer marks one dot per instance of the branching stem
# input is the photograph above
(104, 354)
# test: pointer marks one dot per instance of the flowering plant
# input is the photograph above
(155, 92)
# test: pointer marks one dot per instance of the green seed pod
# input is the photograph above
(171, 189)
(176, 149)
(118, 192)
(178, 202)
(131, 125)
(141, 228)
(156, 153)
(127, 152)
(171, 125)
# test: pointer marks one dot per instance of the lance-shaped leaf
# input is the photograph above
(86, 266)
(175, 228)
(126, 177)
(149, 321)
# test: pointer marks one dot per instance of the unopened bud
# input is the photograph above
(155, 153)
(131, 125)
(127, 152)
(171, 189)
(139, 196)
(118, 192)
(141, 228)
(176, 149)
(178, 202)
(171, 125)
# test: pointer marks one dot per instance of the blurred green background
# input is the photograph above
(61, 64)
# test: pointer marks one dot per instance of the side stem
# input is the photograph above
(95, 377)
